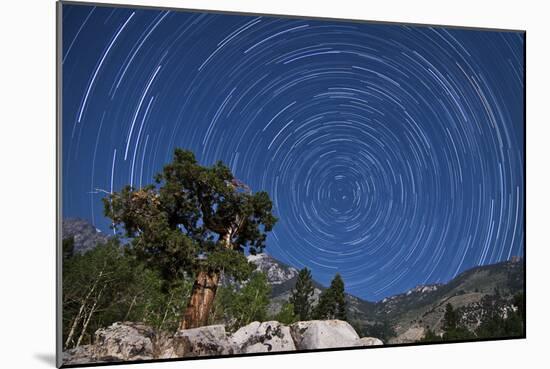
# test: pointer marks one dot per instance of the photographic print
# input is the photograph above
(243, 184)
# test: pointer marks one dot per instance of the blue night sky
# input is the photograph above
(393, 154)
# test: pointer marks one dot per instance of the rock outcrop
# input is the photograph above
(275, 271)
(80, 355)
(412, 334)
(263, 337)
(369, 341)
(210, 340)
(125, 341)
(317, 334)
(84, 234)
(129, 341)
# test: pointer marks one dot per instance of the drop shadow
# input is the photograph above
(46, 358)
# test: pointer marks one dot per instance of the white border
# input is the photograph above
(27, 154)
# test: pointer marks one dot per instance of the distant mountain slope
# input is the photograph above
(397, 319)
(85, 235)
(406, 316)
(412, 312)
(277, 273)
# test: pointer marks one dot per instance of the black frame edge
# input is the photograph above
(58, 168)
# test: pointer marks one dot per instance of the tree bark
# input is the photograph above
(204, 290)
(202, 299)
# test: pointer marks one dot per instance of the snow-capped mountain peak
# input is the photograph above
(277, 272)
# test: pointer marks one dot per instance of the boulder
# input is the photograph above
(209, 340)
(124, 342)
(368, 341)
(79, 355)
(164, 346)
(268, 336)
(318, 334)
(129, 341)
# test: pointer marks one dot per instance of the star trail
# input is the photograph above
(393, 154)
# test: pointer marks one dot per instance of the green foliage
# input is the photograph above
(105, 285)
(231, 262)
(89, 281)
(237, 307)
(192, 218)
(459, 333)
(222, 312)
(68, 248)
(250, 302)
(301, 295)
(494, 323)
(383, 330)
(287, 314)
(519, 303)
(453, 329)
(157, 303)
(450, 318)
(332, 303)
(497, 326)
(430, 336)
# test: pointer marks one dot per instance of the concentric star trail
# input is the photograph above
(393, 154)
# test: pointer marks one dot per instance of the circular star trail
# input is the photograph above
(393, 154)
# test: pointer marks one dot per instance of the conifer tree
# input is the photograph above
(452, 327)
(332, 302)
(339, 297)
(302, 293)
(450, 318)
(194, 220)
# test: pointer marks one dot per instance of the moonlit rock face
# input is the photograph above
(318, 334)
(85, 235)
(423, 289)
(412, 334)
(268, 336)
(202, 341)
(276, 272)
(369, 341)
(128, 341)
(123, 342)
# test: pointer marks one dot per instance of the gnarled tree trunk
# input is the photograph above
(202, 299)
(204, 290)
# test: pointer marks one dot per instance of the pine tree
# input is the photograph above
(495, 325)
(452, 327)
(339, 297)
(430, 336)
(332, 302)
(450, 318)
(302, 293)
(194, 220)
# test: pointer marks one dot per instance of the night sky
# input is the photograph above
(393, 154)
